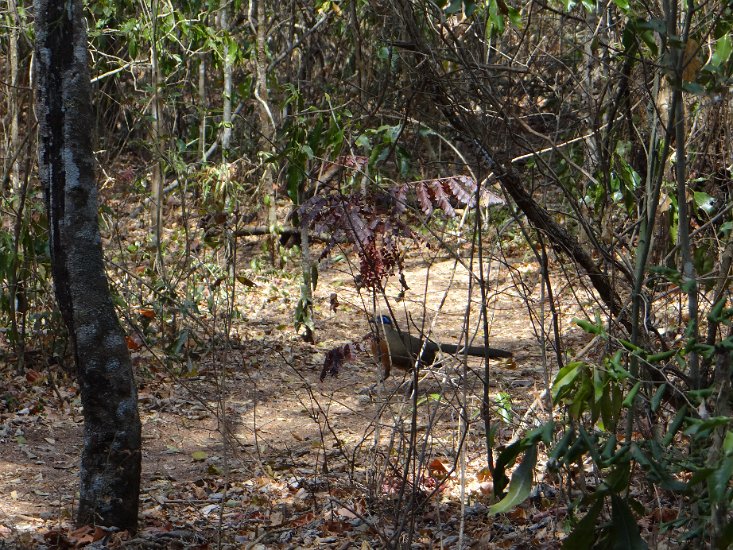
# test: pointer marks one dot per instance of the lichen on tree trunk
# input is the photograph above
(110, 464)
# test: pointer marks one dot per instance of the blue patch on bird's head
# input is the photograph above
(384, 319)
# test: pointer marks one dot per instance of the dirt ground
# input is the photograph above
(248, 449)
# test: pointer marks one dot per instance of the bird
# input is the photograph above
(400, 349)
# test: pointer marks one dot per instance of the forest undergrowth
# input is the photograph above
(244, 446)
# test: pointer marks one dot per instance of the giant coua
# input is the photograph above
(400, 349)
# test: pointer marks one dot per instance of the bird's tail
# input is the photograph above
(476, 351)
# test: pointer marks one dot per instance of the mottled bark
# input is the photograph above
(110, 464)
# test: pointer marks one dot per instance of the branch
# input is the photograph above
(254, 230)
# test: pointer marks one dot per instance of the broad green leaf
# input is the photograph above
(728, 443)
(520, 485)
(565, 377)
(702, 426)
(725, 229)
(703, 201)
(515, 16)
(599, 385)
(561, 448)
(583, 536)
(180, 341)
(496, 19)
(625, 532)
(609, 449)
(718, 482)
(723, 49)
(363, 141)
(618, 478)
(454, 7)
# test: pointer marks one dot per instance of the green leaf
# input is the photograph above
(506, 458)
(726, 538)
(618, 479)
(625, 532)
(727, 344)
(180, 341)
(294, 178)
(657, 399)
(702, 426)
(515, 16)
(662, 356)
(703, 201)
(605, 410)
(632, 395)
(565, 378)
(436, 397)
(723, 49)
(599, 385)
(609, 449)
(718, 482)
(671, 275)
(199, 456)
(725, 229)
(561, 448)
(728, 443)
(454, 7)
(583, 536)
(303, 312)
(716, 313)
(402, 157)
(496, 19)
(630, 346)
(589, 327)
(521, 484)
(305, 148)
(591, 444)
(704, 261)
(504, 404)
(581, 397)
(689, 285)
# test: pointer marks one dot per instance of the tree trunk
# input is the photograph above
(110, 464)
(158, 175)
(13, 97)
(267, 129)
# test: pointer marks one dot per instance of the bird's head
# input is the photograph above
(383, 320)
(380, 321)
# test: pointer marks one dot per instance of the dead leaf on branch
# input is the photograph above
(335, 358)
